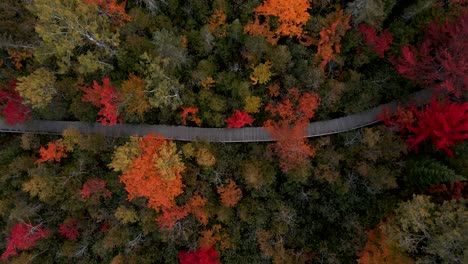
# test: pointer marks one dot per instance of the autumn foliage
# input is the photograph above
(95, 188)
(217, 23)
(54, 151)
(213, 236)
(455, 190)
(239, 119)
(23, 236)
(377, 251)
(69, 230)
(194, 206)
(444, 124)
(292, 17)
(190, 113)
(441, 60)
(12, 106)
(329, 43)
(288, 124)
(380, 43)
(201, 256)
(143, 179)
(114, 10)
(106, 98)
(17, 56)
(230, 194)
(155, 173)
(133, 95)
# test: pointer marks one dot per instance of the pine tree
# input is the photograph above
(425, 172)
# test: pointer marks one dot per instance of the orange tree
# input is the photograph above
(152, 169)
(292, 17)
(290, 119)
(143, 178)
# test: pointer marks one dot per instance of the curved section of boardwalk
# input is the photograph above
(249, 134)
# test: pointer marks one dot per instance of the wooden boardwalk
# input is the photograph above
(183, 133)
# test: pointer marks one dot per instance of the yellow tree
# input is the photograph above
(37, 89)
(252, 104)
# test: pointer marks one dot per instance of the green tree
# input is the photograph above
(68, 28)
(162, 90)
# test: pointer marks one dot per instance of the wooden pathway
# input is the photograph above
(182, 133)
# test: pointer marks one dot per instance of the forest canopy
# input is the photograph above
(392, 191)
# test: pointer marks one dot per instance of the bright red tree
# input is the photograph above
(105, 97)
(54, 151)
(12, 106)
(201, 256)
(288, 127)
(70, 230)
(95, 187)
(445, 124)
(239, 119)
(23, 236)
(377, 43)
(441, 60)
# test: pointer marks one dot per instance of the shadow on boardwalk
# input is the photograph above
(182, 133)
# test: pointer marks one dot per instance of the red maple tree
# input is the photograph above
(239, 119)
(23, 236)
(377, 43)
(441, 60)
(105, 97)
(201, 256)
(12, 106)
(95, 187)
(290, 119)
(193, 111)
(453, 191)
(445, 124)
(70, 230)
(105, 226)
(54, 151)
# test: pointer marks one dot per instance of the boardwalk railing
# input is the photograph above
(183, 133)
